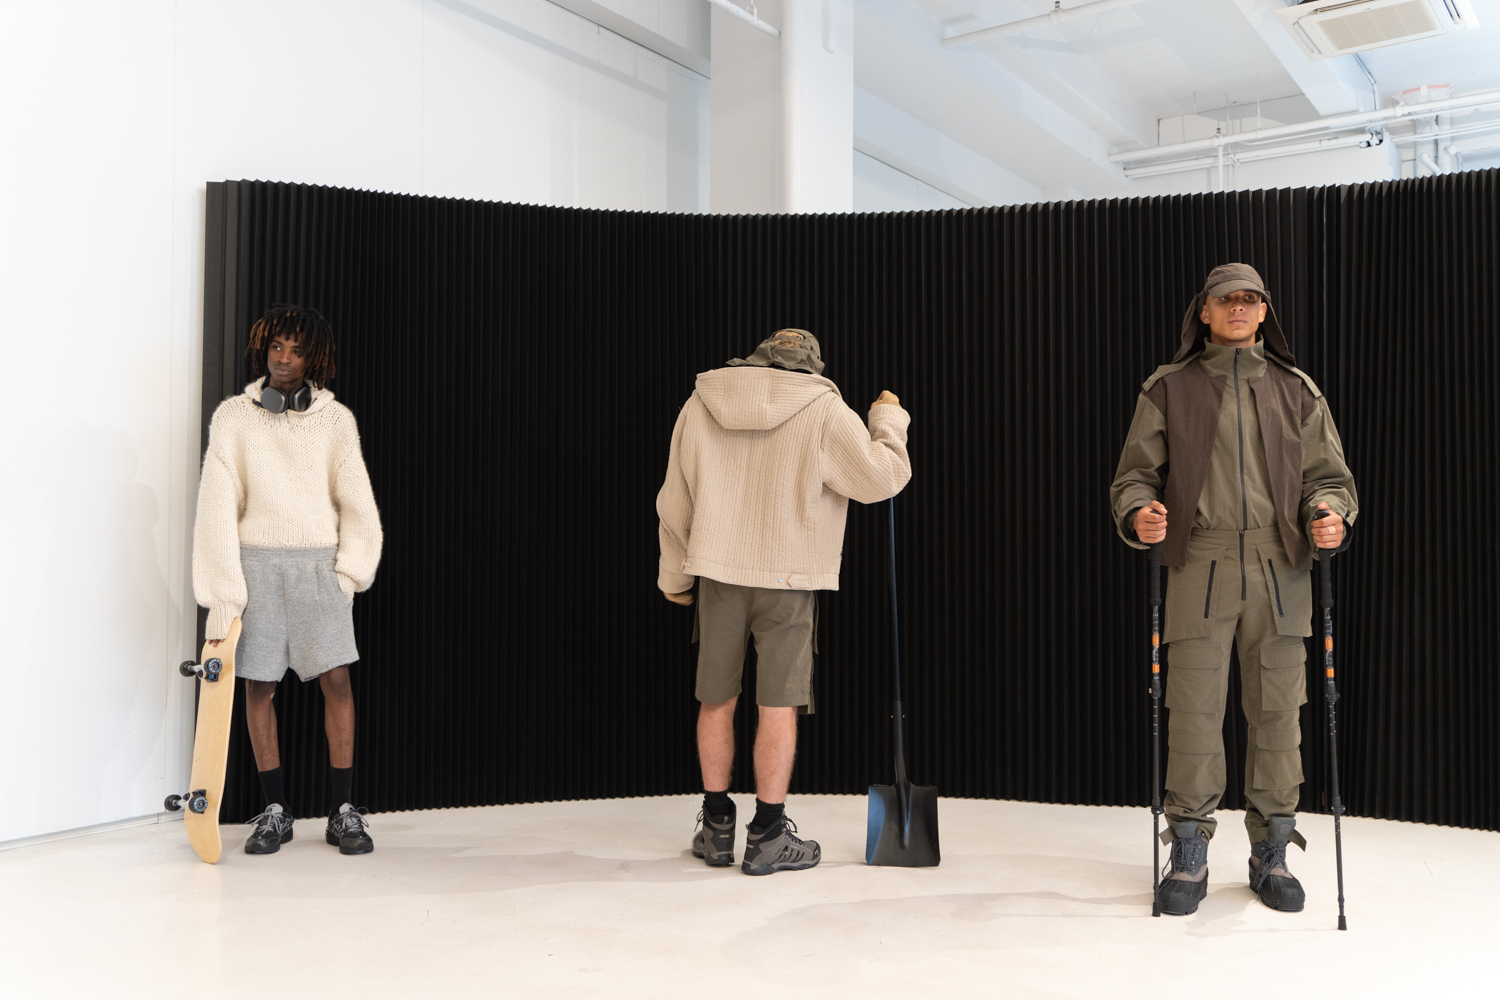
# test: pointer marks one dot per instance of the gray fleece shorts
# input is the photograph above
(296, 616)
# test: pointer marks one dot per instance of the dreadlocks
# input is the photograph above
(312, 332)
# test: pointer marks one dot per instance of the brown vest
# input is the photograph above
(1190, 399)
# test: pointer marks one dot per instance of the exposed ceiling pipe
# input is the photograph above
(1357, 119)
(1431, 164)
(1057, 15)
(1207, 162)
(748, 16)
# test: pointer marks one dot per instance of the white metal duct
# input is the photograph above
(1340, 27)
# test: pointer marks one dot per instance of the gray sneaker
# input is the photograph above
(272, 829)
(714, 840)
(779, 849)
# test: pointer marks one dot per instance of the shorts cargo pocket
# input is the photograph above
(1283, 677)
(1278, 758)
(1289, 590)
(1195, 679)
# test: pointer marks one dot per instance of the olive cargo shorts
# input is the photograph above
(785, 626)
(1265, 606)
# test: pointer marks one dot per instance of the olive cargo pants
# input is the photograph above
(1260, 602)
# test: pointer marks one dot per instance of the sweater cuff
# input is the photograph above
(220, 617)
(348, 585)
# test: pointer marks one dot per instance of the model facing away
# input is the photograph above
(765, 458)
(287, 533)
(1251, 457)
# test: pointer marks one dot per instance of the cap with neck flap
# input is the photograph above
(795, 350)
(1223, 280)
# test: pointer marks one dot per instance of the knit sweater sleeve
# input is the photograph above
(360, 535)
(218, 580)
(867, 465)
(674, 506)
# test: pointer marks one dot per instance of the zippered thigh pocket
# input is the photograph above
(1208, 592)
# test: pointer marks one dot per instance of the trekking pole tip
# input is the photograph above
(1343, 926)
(1156, 912)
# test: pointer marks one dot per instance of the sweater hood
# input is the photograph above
(321, 398)
(759, 399)
(1222, 280)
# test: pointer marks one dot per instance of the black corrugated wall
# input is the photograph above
(516, 372)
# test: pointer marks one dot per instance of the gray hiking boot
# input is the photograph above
(1270, 879)
(272, 829)
(1185, 880)
(779, 849)
(714, 839)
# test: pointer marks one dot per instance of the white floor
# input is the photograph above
(602, 899)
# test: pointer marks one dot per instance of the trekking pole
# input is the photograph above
(1153, 560)
(1331, 695)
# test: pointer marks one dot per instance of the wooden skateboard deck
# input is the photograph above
(210, 745)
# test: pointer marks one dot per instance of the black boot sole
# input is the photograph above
(1189, 906)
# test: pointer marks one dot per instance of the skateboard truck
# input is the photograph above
(209, 670)
(196, 801)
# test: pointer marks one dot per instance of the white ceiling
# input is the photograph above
(1169, 55)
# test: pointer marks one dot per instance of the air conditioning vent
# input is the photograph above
(1338, 27)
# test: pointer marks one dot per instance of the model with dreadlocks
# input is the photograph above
(287, 533)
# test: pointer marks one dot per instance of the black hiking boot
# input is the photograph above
(1185, 880)
(272, 829)
(778, 849)
(346, 831)
(1270, 879)
(714, 839)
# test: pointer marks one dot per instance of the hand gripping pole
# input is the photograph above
(1331, 696)
(1153, 561)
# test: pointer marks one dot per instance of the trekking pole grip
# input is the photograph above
(1326, 576)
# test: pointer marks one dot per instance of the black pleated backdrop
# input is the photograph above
(516, 372)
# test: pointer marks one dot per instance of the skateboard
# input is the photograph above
(210, 745)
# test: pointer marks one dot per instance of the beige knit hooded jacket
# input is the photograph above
(762, 468)
(281, 480)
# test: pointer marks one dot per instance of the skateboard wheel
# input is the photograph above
(188, 668)
(199, 802)
(173, 803)
(212, 668)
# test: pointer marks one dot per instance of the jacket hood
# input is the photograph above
(759, 399)
(321, 397)
(1222, 280)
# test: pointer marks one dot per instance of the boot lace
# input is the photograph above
(1185, 851)
(1275, 857)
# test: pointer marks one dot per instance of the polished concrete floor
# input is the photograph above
(602, 899)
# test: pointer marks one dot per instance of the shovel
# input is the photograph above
(903, 825)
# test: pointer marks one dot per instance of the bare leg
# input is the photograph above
(338, 716)
(260, 715)
(775, 748)
(716, 744)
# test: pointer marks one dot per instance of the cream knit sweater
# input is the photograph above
(281, 480)
(762, 468)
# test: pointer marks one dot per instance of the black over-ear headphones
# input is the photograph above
(276, 401)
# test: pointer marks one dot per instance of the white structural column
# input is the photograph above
(782, 132)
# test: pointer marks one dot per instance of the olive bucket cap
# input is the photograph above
(796, 350)
(1224, 280)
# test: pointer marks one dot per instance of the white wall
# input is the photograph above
(880, 187)
(114, 117)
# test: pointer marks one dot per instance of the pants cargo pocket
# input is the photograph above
(1289, 590)
(1283, 677)
(1278, 758)
(1195, 762)
(1196, 679)
(1191, 594)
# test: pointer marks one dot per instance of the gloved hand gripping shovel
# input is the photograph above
(1331, 696)
(902, 829)
(1153, 561)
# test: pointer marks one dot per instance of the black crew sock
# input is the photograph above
(717, 803)
(343, 785)
(270, 783)
(766, 816)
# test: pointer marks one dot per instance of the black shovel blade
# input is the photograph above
(883, 833)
